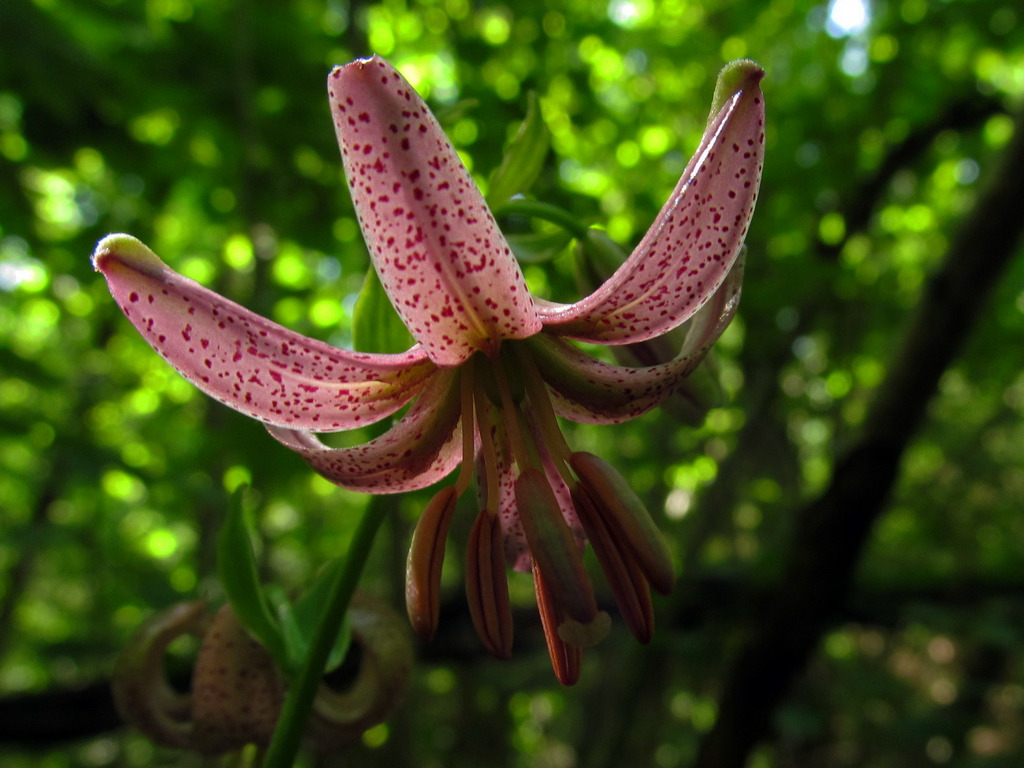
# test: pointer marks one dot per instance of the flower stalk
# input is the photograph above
(287, 738)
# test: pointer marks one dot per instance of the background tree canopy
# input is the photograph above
(847, 521)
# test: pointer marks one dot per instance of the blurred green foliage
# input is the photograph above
(201, 126)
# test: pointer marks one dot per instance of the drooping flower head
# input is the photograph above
(493, 368)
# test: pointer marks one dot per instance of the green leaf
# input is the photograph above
(597, 257)
(236, 567)
(524, 158)
(376, 327)
(535, 247)
(296, 645)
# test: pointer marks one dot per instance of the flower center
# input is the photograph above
(539, 502)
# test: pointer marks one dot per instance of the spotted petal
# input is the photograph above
(247, 362)
(591, 391)
(423, 447)
(440, 255)
(694, 241)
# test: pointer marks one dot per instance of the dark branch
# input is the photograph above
(858, 208)
(49, 718)
(831, 531)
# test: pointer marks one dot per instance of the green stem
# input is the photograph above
(545, 212)
(288, 735)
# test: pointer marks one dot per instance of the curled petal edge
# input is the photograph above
(423, 447)
(592, 391)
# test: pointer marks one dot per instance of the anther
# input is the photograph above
(627, 581)
(553, 547)
(566, 659)
(426, 557)
(487, 586)
(626, 517)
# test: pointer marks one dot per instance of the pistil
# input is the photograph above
(467, 391)
(511, 408)
(480, 404)
(540, 401)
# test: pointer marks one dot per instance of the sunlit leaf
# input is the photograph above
(236, 567)
(524, 158)
(376, 327)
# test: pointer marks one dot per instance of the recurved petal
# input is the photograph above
(711, 320)
(440, 255)
(419, 450)
(142, 693)
(248, 362)
(591, 391)
(694, 241)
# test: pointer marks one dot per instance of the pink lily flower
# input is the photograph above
(492, 367)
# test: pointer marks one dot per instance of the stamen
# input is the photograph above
(426, 557)
(488, 455)
(552, 546)
(487, 586)
(566, 659)
(540, 400)
(466, 381)
(626, 579)
(626, 517)
(513, 425)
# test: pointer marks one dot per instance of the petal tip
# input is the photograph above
(735, 77)
(741, 73)
(338, 69)
(358, 66)
(127, 250)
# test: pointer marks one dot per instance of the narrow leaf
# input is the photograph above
(524, 158)
(376, 327)
(597, 257)
(534, 247)
(236, 567)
